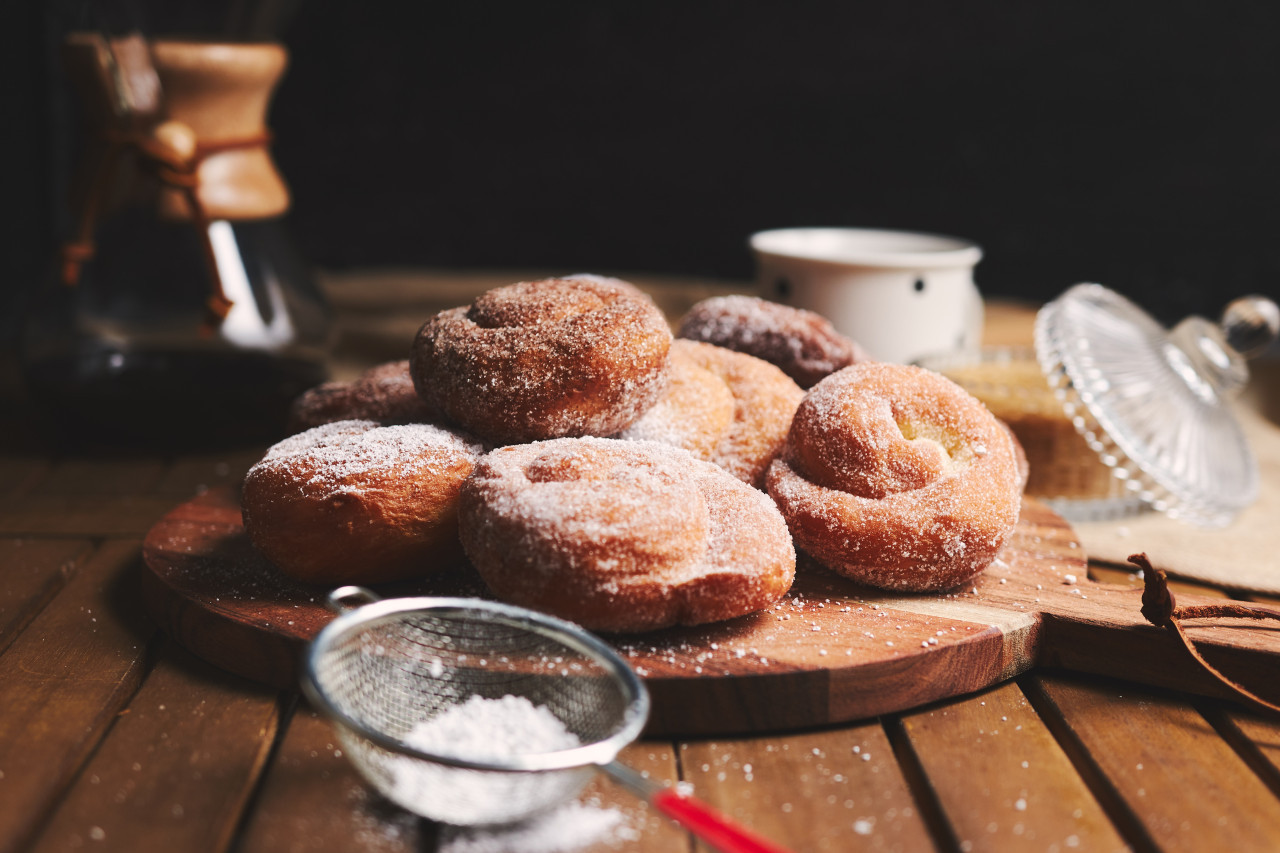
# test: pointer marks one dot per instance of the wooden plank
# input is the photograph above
(832, 790)
(1023, 793)
(1271, 601)
(63, 680)
(32, 573)
(1254, 736)
(20, 474)
(1161, 767)
(834, 650)
(128, 516)
(830, 651)
(1133, 580)
(646, 831)
(313, 800)
(107, 476)
(603, 818)
(188, 476)
(176, 769)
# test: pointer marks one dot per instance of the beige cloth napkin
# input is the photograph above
(1245, 555)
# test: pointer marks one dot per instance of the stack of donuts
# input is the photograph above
(556, 437)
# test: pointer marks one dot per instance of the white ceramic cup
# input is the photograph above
(902, 295)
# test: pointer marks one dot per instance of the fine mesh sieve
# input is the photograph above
(380, 669)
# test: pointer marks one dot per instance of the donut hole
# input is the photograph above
(559, 467)
(950, 447)
(524, 304)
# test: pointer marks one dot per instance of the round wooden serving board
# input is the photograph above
(831, 651)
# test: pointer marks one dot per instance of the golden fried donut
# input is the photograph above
(544, 359)
(726, 407)
(384, 393)
(622, 536)
(896, 477)
(1019, 456)
(356, 502)
(803, 344)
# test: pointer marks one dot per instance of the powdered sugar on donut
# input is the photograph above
(895, 477)
(356, 502)
(384, 393)
(543, 359)
(803, 344)
(622, 536)
(339, 457)
(726, 407)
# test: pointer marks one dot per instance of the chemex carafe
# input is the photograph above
(178, 308)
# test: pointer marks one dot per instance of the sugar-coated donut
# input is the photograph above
(622, 536)
(726, 407)
(1019, 456)
(544, 359)
(357, 502)
(896, 477)
(384, 393)
(803, 344)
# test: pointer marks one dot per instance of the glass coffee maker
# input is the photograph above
(178, 310)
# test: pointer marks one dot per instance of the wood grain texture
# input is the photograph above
(114, 516)
(644, 829)
(62, 681)
(603, 819)
(313, 801)
(19, 474)
(1166, 767)
(104, 476)
(845, 791)
(34, 570)
(1001, 779)
(194, 474)
(1131, 578)
(836, 651)
(1256, 738)
(176, 769)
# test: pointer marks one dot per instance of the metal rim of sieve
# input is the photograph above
(598, 753)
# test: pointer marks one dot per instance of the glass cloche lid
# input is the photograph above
(1154, 403)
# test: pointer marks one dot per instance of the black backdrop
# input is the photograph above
(1132, 143)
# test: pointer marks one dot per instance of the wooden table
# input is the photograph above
(114, 738)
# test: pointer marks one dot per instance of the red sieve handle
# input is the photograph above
(709, 825)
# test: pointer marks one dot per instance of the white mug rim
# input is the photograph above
(840, 247)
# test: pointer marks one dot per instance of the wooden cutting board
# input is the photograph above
(830, 652)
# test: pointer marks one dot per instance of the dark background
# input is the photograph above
(1131, 143)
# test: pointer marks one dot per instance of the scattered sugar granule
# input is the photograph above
(574, 826)
(1068, 579)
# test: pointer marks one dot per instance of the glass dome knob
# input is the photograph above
(1250, 324)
